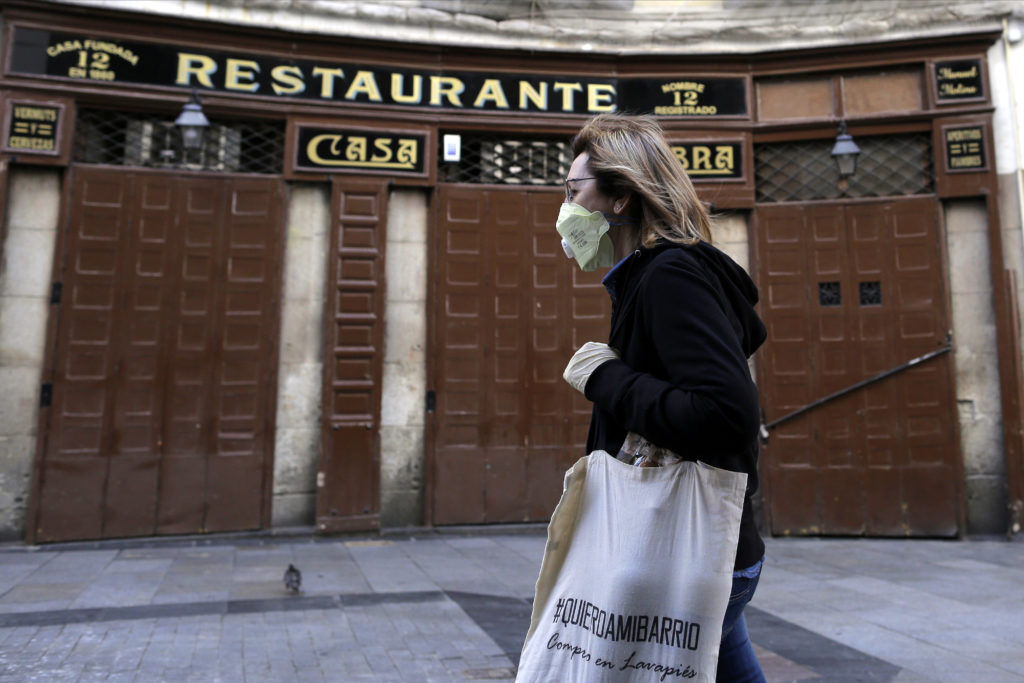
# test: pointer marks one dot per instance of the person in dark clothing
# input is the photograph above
(674, 370)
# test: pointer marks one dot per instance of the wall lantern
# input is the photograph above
(845, 152)
(192, 123)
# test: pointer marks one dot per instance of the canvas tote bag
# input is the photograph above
(636, 574)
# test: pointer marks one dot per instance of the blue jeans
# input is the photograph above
(737, 662)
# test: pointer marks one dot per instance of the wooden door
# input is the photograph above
(848, 292)
(348, 479)
(163, 364)
(509, 310)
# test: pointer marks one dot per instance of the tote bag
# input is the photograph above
(636, 574)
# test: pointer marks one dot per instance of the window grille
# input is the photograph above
(129, 139)
(829, 294)
(870, 293)
(508, 161)
(888, 166)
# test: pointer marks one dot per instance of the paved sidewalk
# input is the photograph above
(454, 607)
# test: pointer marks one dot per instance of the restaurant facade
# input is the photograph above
(344, 305)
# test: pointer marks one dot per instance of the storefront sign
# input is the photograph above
(331, 149)
(965, 148)
(706, 160)
(959, 80)
(693, 97)
(87, 58)
(33, 128)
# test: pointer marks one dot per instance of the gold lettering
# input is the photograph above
(682, 85)
(680, 153)
(567, 90)
(724, 159)
(364, 82)
(491, 91)
(967, 134)
(396, 89)
(33, 114)
(966, 162)
(688, 98)
(287, 80)
(701, 158)
(112, 49)
(200, 66)
(958, 89)
(703, 110)
(539, 98)
(382, 145)
(356, 150)
(313, 150)
(600, 97)
(407, 151)
(947, 73)
(66, 46)
(36, 144)
(240, 74)
(327, 77)
(449, 86)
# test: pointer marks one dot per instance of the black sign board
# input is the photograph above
(333, 149)
(959, 80)
(692, 97)
(710, 160)
(965, 148)
(33, 128)
(82, 57)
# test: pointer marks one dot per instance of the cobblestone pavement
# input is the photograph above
(454, 607)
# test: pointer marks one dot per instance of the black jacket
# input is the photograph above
(684, 325)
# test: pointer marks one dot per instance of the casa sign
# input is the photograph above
(95, 59)
(330, 149)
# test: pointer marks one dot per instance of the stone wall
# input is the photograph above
(300, 371)
(33, 211)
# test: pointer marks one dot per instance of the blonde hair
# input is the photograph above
(630, 154)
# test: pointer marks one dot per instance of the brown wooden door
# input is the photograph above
(348, 480)
(848, 292)
(508, 311)
(164, 357)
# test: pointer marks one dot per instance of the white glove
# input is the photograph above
(585, 361)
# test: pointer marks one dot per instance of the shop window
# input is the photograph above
(888, 166)
(496, 160)
(127, 139)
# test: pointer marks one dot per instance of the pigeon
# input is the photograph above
(293, 579)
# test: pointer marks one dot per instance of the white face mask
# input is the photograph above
(585, 237)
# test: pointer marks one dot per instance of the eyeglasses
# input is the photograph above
(568, 190)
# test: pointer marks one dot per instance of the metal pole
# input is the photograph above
(853, 387)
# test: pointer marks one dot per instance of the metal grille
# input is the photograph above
(870, 293)
(888, 166)
(129, 139)
(511, 161)
(829, 294)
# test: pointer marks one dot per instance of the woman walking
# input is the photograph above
(674, 370)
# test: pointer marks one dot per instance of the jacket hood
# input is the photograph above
(741, 293)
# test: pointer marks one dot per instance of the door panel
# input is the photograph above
(348, 488)
(509, 310)
(851, 291)
(162, 403)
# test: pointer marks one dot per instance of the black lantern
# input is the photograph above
(192, 123)
(845, 152)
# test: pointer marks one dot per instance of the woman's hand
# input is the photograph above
(585, 361)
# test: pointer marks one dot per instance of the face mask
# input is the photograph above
(585, 237)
